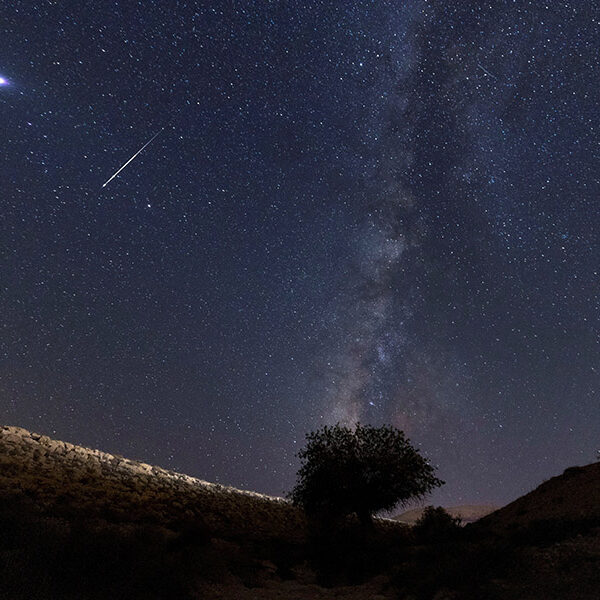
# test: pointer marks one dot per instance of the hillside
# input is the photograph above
(571, 497)
(66, 479)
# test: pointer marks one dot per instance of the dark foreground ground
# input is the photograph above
(78, 524)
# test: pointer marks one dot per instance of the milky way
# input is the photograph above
(378, 212)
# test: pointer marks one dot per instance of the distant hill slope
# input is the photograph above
(570, 497)
(468, 513)
(61, 478)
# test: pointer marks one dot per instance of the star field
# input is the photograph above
(374, 211)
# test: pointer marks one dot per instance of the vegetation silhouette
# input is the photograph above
(436, 525)
(362, 471)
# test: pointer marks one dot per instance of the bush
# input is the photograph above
(436, 525)
(361, 470)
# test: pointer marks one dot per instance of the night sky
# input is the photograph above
(354, 210)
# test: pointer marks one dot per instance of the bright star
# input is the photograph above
(3, 81)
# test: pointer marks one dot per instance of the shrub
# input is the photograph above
(436, 525)
(361, 470)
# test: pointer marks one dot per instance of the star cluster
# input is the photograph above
(374, 211)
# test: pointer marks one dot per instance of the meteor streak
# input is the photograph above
(486, 71)
(144, 146)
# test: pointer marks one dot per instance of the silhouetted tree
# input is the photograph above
(361, 470)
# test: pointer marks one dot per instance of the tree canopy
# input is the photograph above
(361, 470)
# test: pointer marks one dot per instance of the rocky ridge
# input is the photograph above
(57, 476)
